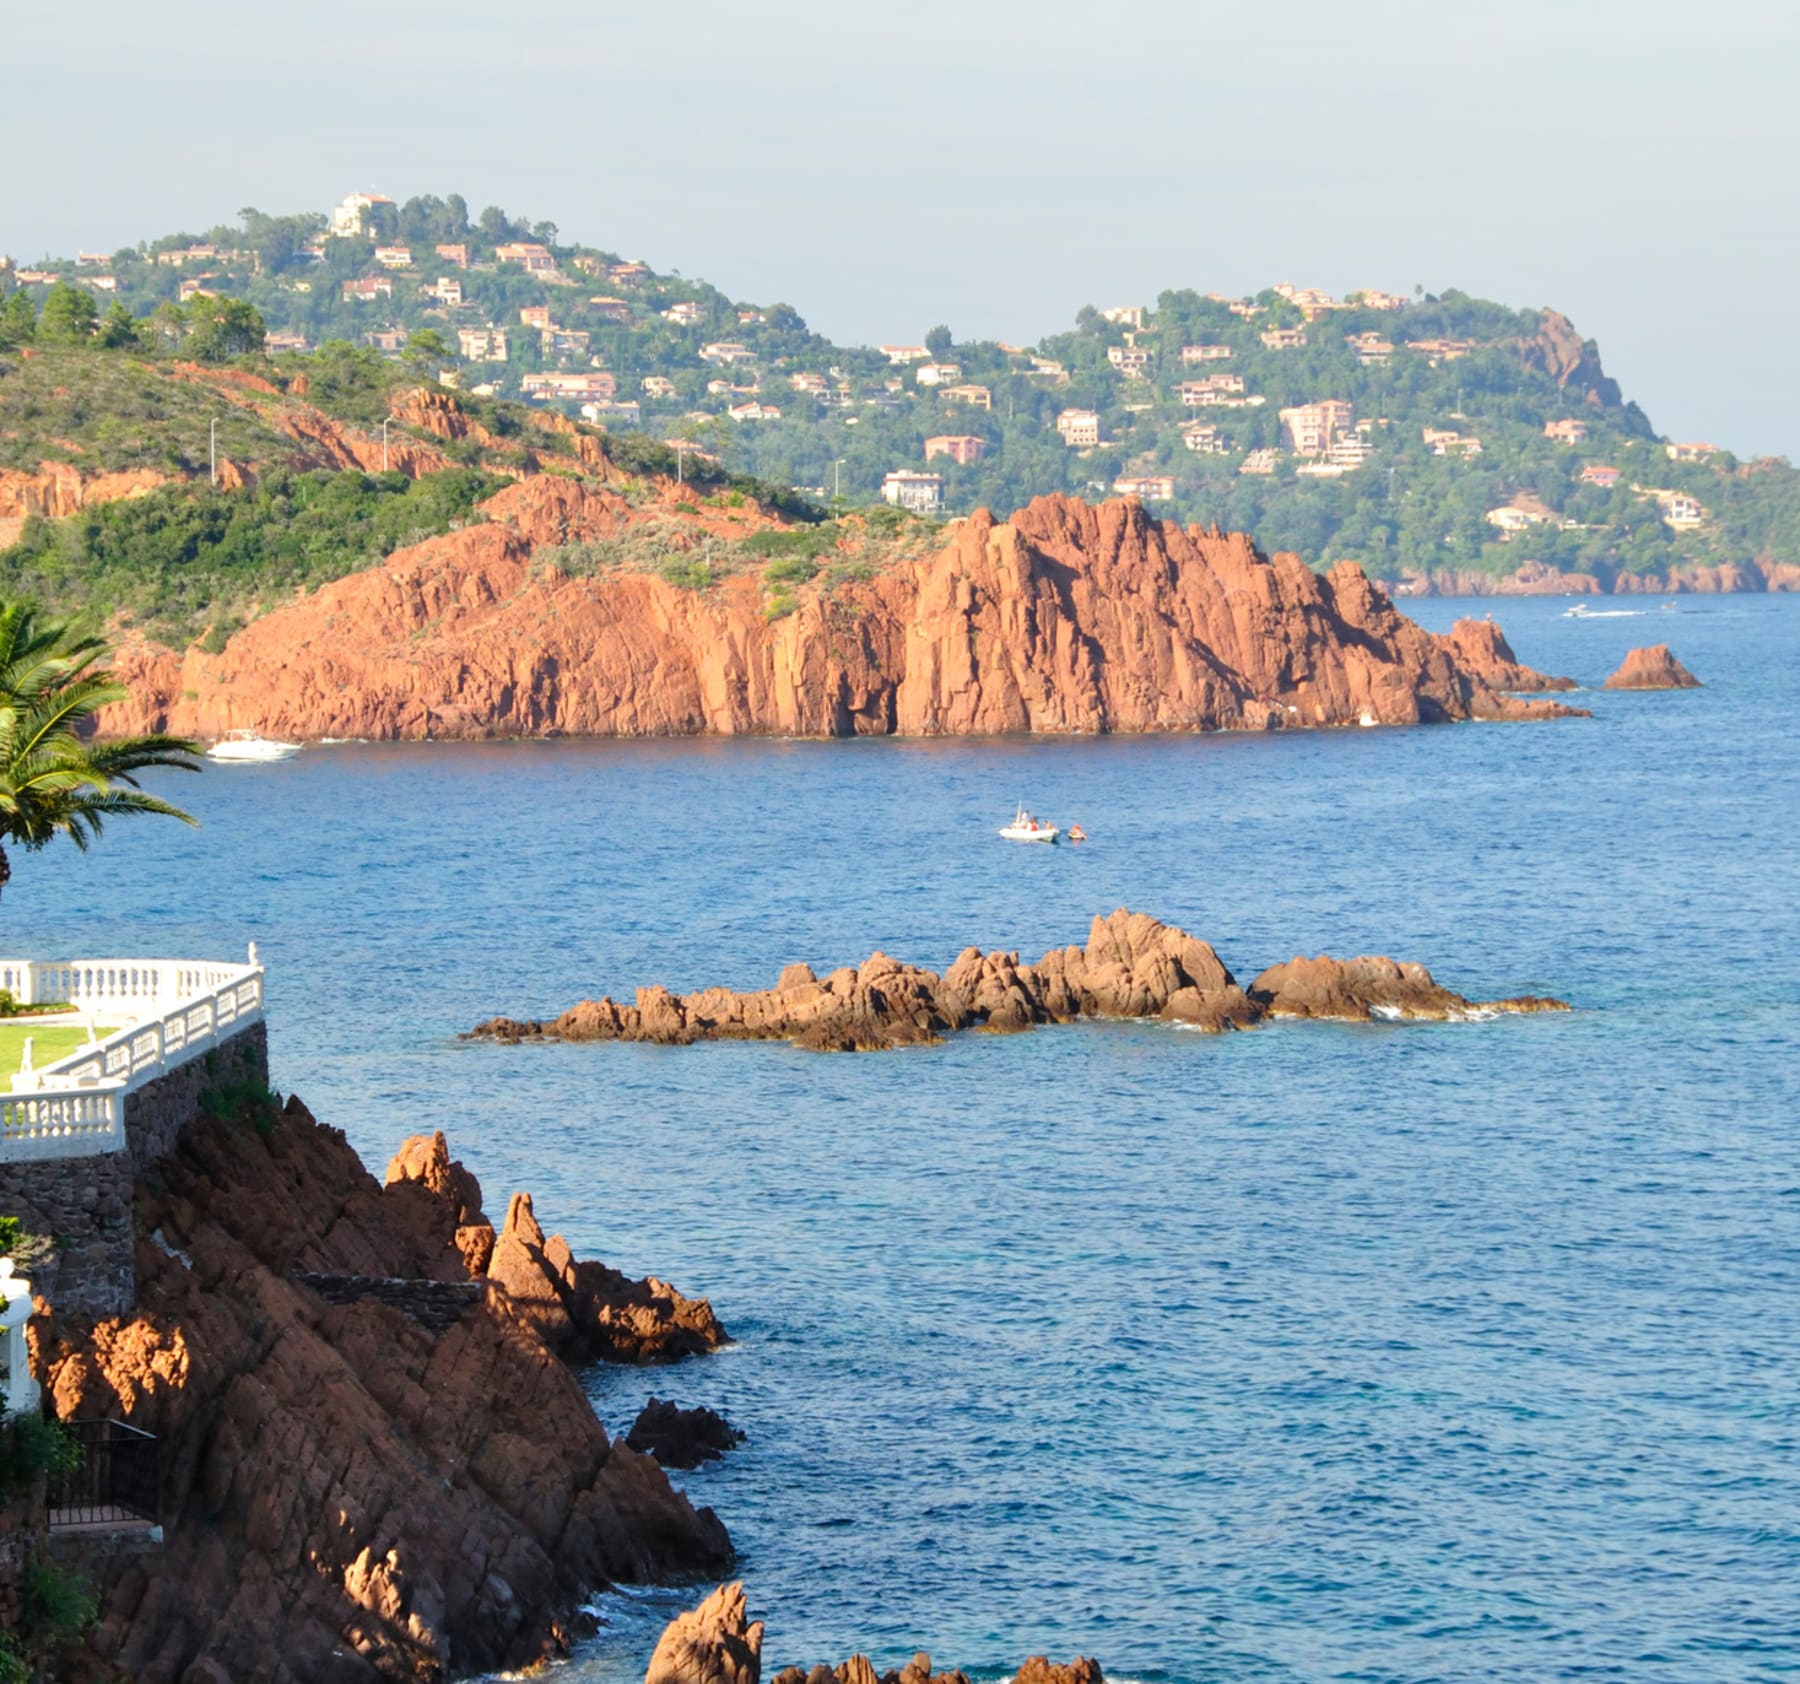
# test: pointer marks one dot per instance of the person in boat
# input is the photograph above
(1077, 834)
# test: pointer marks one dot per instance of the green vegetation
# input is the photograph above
(54, 779)
(24, 1249)
(49, 1042)
(244, 1101)
(32, 1448)
(848, 415)
(187, 557)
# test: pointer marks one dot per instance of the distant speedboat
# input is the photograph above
(251, 747)
(1578, 612)
(1025, 828)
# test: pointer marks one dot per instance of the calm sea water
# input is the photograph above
(1452, 1352)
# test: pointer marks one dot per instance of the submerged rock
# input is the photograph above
(1654, 668)
(1133, 966)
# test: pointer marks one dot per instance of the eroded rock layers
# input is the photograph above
(375, 1463)
(1065, 618)
(1133, 966)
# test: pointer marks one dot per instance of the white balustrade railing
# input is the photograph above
(177, 1009)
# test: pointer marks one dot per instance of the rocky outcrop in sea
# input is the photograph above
(1654, 668)
(1133, 966)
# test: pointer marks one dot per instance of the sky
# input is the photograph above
(995, 164)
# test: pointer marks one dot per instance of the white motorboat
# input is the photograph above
(251, 747)
(1025, 828)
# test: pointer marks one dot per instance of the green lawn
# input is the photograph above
(49, 1042)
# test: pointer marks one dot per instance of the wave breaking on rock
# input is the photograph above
(1133, 966)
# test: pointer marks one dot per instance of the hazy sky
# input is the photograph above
(995, 164)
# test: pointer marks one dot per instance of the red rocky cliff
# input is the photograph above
(374, 1466)
(1066, 618)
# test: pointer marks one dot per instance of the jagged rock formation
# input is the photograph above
(1132, 967)
(1653, 668)
(359, 1482)
(1358, 990)
(681, 1438)
(717, 1643)
(1481, 646)
(1065, 618)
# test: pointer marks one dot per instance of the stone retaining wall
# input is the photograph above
(85, 1203)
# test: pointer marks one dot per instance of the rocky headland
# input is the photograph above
(1133, 966)
(1537, 578)
(1654, 668)
(718, 1643)
(1064, 618)
(376, 1461)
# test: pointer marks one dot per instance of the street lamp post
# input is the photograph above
(837, 495)
(384, 427)
(212, 449)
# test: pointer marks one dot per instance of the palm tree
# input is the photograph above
(53, 779)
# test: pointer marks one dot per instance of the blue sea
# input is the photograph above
(1444, 1352)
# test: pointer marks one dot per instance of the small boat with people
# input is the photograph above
(1027, 828)
(250, 748)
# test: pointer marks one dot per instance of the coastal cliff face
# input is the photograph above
(374, 1464)
(1066, 618)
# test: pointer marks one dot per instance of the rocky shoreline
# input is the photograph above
(377, 1462)
(1062, 618)
(1536, 578)
(718, 1643)
(1133, 966)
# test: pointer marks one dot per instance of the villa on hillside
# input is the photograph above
(394, 257)
(346, 221)
(726, 353)
(1308, 429)
(562, 342)
(1570, 430)
(1128, 360)
(1437, 351)
(906, 489)
(961, 448)
(610, 309)
(1125, 315)
(481, 344)
(1600, 474)
(533, 259)
(1680, 510)
(447, 290)
(457, 255)
(1690, 452)
(535, 315)
(658, 386)
(1283, 338)
(1204, 440)
(1258, 462)
(1372, 351)
(1191, 354)
(898, 355)
(976, 397)
(1194, 392)
(685, 314)
(1443, 443)
(1080, 428)
(1147, 488)
(754, 411)
(595, 384)
(368, 287)
(937, 374)
(1522, 513)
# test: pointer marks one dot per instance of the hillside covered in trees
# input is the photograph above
(1414, 434)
